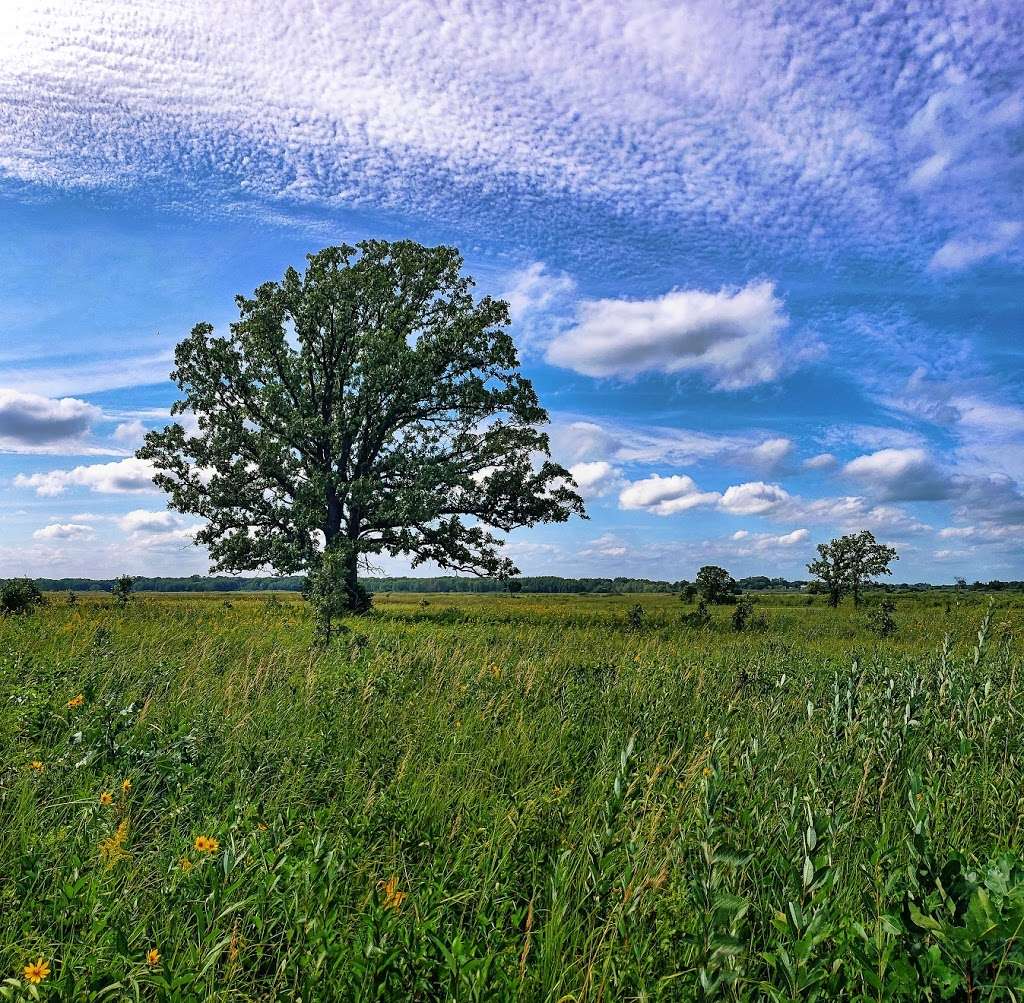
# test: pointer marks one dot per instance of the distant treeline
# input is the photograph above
(450, 583)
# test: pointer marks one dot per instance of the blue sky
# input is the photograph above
(765, 261)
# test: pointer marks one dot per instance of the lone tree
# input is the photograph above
(849, 563)
(370, 405)
(715, 584)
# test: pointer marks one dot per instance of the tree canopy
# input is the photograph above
(370, 405)
(849, 563)
(715, 584)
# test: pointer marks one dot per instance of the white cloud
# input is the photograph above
(33, 422)
(963, 251)
(534, 289)
(665, 495)
(127, 476)
(823, 461)
(901, 475)
(595, 478)
(771, 453)
(64, 531)
(753, 498)
(146, 521)
(732, 337)
(130, 432)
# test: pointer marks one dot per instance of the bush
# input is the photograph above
(698, 619)
(636, 617)
(742, 613)
(881, 622)
(20, 595)
(122, 590)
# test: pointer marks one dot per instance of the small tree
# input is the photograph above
(370, 405)
(122, 589)
(71, 598)
(881, 622)
(742, 613)
(715, 584)
(20, 595)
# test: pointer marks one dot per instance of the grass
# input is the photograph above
(480, 797)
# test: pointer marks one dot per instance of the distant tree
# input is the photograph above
(20, 595)
(514, 586)
(849, 563)
(715, 584)
(689, 593)
(122, 589)
(959, 583)
(371, 405)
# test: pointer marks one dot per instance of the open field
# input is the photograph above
(481, 797)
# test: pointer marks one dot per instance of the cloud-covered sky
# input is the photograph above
(765, 261)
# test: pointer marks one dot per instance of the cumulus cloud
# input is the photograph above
(127, 476)
(64, 531)
(901, 475)
(753, 498)
(732, 337)
(595, 478)
(142, 520)
(665, 495)
(33, 422)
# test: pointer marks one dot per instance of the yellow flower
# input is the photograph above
(186, 865)
(106, 798)
(152, 957)
(76, 701)
(126, 785)
(206, 844)
(36, 765)
(112, 850)
(36, 971)
(393, 898)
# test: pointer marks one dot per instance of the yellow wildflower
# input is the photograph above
(112, 849)
(36, 971)
(206, 844)
(36, 765)
(185, 864)
(126, 785)
(393, 898)
(152, 957)
(76, 701)
(106, 798)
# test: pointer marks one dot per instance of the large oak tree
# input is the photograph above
(370, 405)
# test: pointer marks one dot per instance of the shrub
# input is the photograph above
(699, 618)
(122, 590)
(20, 595)
(742, 613)
(881, 622)
(636, 617)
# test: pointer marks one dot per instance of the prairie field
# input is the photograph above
(551, 798)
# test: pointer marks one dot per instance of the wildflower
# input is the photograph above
(152, 957)
(393, 898)
(76, 701)
(185, 864)
(207, 844)
(112, 849)
(36, 971)
(126, 785)
(36, 765)
(106, 798)
(708, 771)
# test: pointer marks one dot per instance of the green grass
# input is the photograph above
(573, 810)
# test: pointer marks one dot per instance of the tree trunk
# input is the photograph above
(357, 599)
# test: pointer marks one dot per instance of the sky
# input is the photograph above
(765, 261)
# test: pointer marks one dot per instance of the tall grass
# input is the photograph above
(533, 798)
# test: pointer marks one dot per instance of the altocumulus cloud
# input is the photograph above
(127, 476)
(730, 336)
(29, 421)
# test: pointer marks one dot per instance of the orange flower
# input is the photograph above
(106, 798)
(36, 971)
(206, 844)
(76, 701)
(152, 957)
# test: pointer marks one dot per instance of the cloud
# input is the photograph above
(130, 432)
(30, 421)
(753, 498)
(823, 461)
(146, 521)
(127, 476)
(64, 531)
(732, 337)
(534, 289)
(963, 251)
(665, 495)
(901, 475)
(595, 478)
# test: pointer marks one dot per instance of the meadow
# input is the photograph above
(491, 797)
